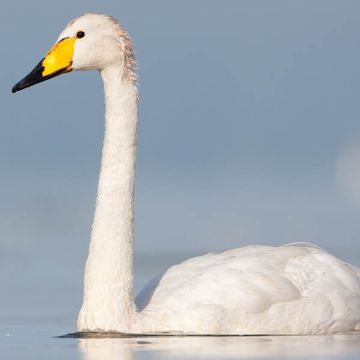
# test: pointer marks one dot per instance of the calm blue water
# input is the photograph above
(40, 299)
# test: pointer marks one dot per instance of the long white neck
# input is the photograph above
(108, 289)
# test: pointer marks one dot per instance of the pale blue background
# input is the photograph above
(245, 107)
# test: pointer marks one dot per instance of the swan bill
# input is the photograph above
(56, 62)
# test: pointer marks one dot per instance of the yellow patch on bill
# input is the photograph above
(59, 57)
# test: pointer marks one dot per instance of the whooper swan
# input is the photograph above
(291, 289)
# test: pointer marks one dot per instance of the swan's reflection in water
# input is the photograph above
(106, 349)
(334, 346)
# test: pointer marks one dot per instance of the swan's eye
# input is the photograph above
(80, 34)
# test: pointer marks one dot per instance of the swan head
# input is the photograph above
(89, 42)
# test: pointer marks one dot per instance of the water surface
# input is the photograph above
(40, 301)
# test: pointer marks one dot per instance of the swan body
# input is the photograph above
(291, 289)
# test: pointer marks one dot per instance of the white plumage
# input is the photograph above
(291, 289)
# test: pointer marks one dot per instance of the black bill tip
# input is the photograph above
(34, 77)
(19, 86)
